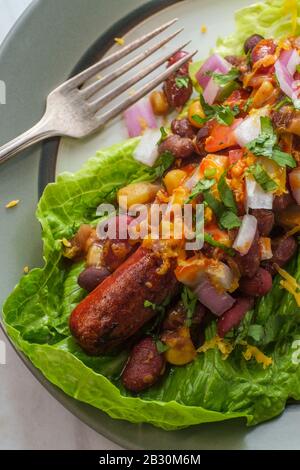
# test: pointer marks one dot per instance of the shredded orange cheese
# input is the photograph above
(226, 348)
(12, 204)
(203, 28)
(120, 41)
(26, 269)
(289, 283)
(259, 356)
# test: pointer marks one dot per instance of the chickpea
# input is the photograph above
(137, 193)
(159, 103)
(263, 94)
(195, 109)
(173, 179)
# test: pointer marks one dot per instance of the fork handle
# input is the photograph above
(40, 131)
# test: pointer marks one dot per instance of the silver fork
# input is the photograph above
(71, 112)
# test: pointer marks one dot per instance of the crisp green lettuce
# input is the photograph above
(209, 389)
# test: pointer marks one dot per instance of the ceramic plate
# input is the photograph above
(59, 37)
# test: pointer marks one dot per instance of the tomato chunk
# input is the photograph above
(222, 137)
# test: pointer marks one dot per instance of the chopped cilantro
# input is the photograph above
(222, 79)
(199, 188)
(182, 82)
(189, 300)
(262, 177)
(265, 145)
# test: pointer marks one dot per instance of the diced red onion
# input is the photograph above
(214, 63)
(140, 116)
(248, 130)
(246, 234)
(290, 59)
(285, 68)
(210, 91)
(147, 150)
(257, 198)
(217, 302)
(294, 178)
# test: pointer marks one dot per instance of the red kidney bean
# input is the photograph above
(202, 134)
(251, 42)
(282, 202)
(233, 317)
(265, 220)
(177, 317)
(90, 278)
(144, 367)
(258, 285)
(262, 49)
(177, 95)
(183, 128)
(176, 57)
(180, 147)
(249, 263)
(283, 249)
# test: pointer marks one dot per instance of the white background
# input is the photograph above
(29, 417)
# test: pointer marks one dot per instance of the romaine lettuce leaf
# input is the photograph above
(210, 389)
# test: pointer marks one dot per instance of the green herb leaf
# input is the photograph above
(164, 162)
(199, 120)
(211, 241)
(182, 82)
(283, 158)
(161, 347)
(223, 114)
(298, 68)
(256, 332)
(199, 188)
(189, 300)
(163, 135)
(247, 104)
(226, 194)
(216, 206)
(283, 102)
(229, 220)
(222, 79)
(265, 145)
(262, 177)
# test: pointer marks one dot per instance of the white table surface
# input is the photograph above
(29, 417)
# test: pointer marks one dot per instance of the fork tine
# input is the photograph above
(103, 100)
(102, 119)
(82, 77)
(90, 90)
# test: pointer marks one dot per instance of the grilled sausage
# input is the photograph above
(115, 310)
(144, 366)
(234, 315)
